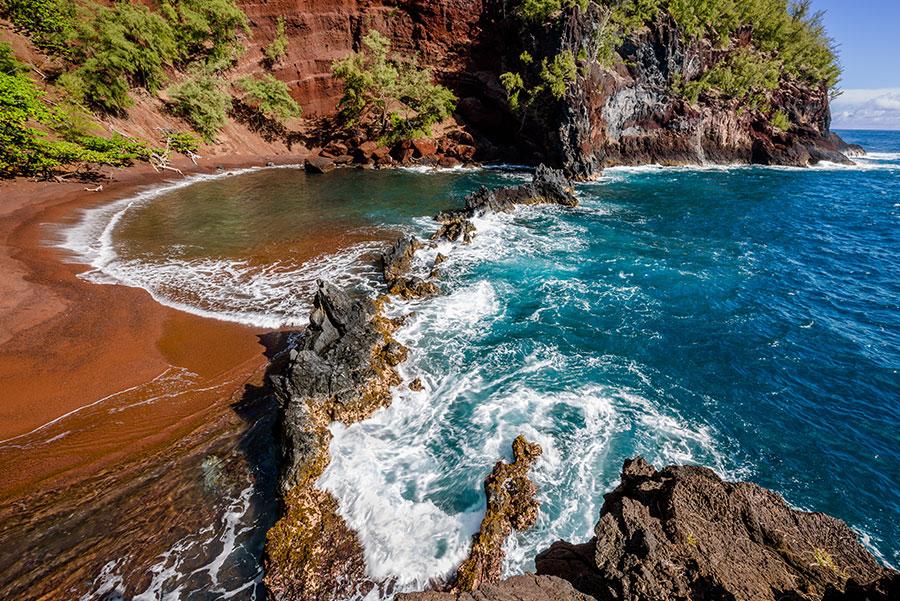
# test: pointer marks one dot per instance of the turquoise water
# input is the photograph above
(741, 318)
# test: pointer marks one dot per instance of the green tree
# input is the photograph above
(207, 29)
(270, 96)
(397, 98)
(202, 100)
(120, 47)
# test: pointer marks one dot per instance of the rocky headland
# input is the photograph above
(619, 105)
(684, 533)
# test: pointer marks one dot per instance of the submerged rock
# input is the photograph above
(511, 504)
(684, 533)
(342, 370)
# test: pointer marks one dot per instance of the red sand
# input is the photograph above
(66, 343)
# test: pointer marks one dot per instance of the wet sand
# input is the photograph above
(103, 395)
(66, 344)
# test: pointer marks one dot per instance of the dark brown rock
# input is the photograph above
(416, 385)
(683, 533)
(397, 259)
(511, 504)
(341, 370)
(319, 164)
(518, 588)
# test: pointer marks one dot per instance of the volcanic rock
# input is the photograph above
(518, 588)
(683, 533)
(511, 504)
(548, 186)
(341, 370)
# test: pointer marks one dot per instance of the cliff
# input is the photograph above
(600, 83)
(624, 108)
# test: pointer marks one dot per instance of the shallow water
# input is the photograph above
(741, 318)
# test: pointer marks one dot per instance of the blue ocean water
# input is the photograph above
(743, 318)
(746, 319)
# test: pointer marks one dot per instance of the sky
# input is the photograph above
(868, 37)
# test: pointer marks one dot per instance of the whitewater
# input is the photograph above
(742, 318)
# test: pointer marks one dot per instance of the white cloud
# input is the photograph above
(867, 109)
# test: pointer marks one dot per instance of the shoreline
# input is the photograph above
(67, 344)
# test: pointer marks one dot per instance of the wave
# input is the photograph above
(270, 295)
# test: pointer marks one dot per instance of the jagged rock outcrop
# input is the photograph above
(527, 587)
(342, 370)
(511, 505)
(548, 186)
(396, 263)
(684, 533)
(886, 588)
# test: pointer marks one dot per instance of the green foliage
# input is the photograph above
(202, 100)
(745, 75)
(786, 28)
(207, 29)
(559, 73)
(9, 64)
(48, 22)
(183, 142)
(397, 97)
(515, 85)
(780, 120)
(27, 150)
(120, 47)
(541, 11)
(271, 97)
(277, 50)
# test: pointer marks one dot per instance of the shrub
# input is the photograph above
(271, 97)
(183, 142)
(48, 22)
(121, 46)
(202, 100)
(745, 75)
(559, 73)
(27, 150)
(514, 85)
(541, 10)
(397, 98)
(780, 120)
(277, 50)
(9, 64)
(207, 29)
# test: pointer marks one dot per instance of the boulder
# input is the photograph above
(684, 533)
(397, 259)
(319, 164)
(423, 148)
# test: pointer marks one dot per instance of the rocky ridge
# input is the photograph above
(343, 369)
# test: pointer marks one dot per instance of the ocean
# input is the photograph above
(742, 318)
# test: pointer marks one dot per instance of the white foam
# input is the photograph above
(270, 296)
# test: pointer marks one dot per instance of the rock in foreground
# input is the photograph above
(684, 533)
(342, 370)
(511, 504)
(518, 588)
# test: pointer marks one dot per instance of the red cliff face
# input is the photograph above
(441, 32)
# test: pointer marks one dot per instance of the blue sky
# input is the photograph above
(868, 35)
